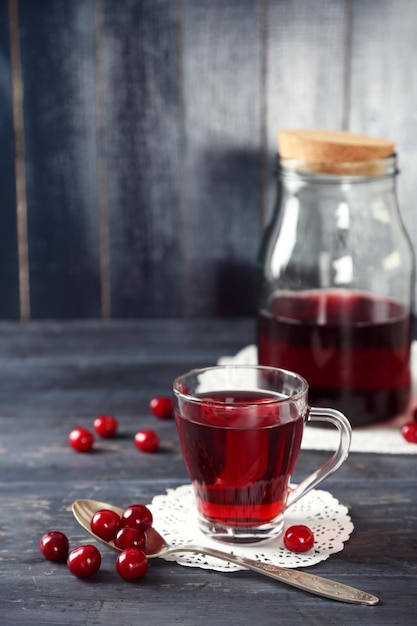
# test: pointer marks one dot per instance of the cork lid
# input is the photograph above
(329, 148)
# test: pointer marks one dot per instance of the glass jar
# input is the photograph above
(336, 275)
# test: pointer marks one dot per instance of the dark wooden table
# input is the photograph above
(54, 376)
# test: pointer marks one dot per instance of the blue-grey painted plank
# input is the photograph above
(58, 57)
(142, 133)
(222, 93)
(306, 66)
(9, 277)
(40, 476)
(307, 71)
(384, 89)
(65, 367)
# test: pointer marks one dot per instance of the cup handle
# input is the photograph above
(345, 431)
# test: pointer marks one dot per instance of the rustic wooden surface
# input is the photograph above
(141, 137)
(9, 275)
(54, 376)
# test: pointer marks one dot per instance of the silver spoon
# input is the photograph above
(157, 546)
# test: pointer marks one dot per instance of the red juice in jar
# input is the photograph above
(352, 347)
(245, 481)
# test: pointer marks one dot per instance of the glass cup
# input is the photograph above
(240, 429)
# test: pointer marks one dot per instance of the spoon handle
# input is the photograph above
(296, 578)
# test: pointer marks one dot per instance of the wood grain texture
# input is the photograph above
(40, 476)
(222, 172)
(146, 357)
(306, 45)
(383, 87)
(142, 133)
(57, 52)
(306, 65)
(9, 276)
(150, 135)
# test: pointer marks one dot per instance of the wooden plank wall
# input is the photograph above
(9, 276)
(138, 137)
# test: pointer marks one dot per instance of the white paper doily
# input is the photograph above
(383, 439)
(175, 517)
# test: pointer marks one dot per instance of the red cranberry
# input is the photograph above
(162, 406)
(54, 545)
(128, 537)
(409, 432)
(105, 523)
(131, 564)
(298, 538)
(81, 439)
(147, 441)
(84, 561)
(415, 414)
(137, 516)
(105, 426)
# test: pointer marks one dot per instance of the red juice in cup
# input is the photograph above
(240, 455)
(240, 430)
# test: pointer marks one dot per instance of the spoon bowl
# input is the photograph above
(156, 546)
(84, 510)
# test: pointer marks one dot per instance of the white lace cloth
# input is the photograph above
(175, 517)
(384, 439)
